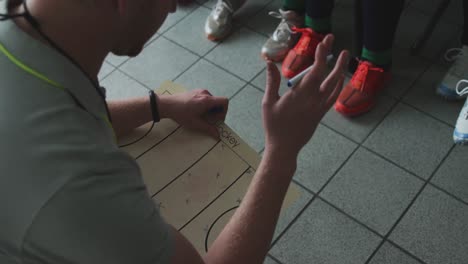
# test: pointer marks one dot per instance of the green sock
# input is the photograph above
(294, 5)
(379, 58)
(320, 25)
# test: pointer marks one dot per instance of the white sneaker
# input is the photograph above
(219, 23)
(460, 135)
(457, 72)
(284, 38)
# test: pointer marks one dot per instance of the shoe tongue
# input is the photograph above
(228, 3)
(460, 66)
(221, 13)
(308, 42)
(281, 33)
(360, 75)
(292, 18)
(368, 77)
(465, 49)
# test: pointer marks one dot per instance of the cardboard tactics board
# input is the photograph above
(196, 181)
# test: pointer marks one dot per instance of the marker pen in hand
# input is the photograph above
(209, 116)
(216, 110)
(296, 79)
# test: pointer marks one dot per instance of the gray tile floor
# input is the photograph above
(387, 187)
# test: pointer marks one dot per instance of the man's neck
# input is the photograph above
(79, 41)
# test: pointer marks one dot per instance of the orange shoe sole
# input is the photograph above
(216, 39)
(354, 112)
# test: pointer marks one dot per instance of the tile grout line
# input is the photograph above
(415, 175)
(397, 165)
(180, 46)
(406, 251)
(182, 18)
(250, 83)
(394, 163)
(134, 79)
(243, 25)
(209, 51)
(295, 181)
(238, 92)
(342, 165)
(150, 41)
(161, 34)
(354, 219)
(253, 79)
(203, 57)
(331, 128)
(361, 144)
(107, 75)
(428, 114)
(314, 197)
(304, 187)
(282, 233)
(231, 72)
(331, 177)
(127, 58)
(433, 173)
(275, 259)
(184, 71)
(448, 193)
(386, 237)
(338, 209)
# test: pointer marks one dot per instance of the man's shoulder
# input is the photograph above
(48, 142)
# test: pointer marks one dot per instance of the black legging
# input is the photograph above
(379, 23)
(380, 20)
(319, 9)
(465, 26)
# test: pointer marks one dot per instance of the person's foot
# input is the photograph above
(460, 134)
(360, 94)
(457, 72)
(283, 39)
(219, 23)
(303, 54)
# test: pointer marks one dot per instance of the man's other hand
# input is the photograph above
(290, 120)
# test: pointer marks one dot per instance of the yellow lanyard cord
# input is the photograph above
(28, 69)
(44, 78)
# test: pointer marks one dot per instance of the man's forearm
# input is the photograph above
(247, 237)
(131, 113)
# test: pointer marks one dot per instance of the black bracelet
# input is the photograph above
(154, 106)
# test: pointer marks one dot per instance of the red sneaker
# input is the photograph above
(303, 54)
(359, 95)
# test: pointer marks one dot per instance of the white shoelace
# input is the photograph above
(465, 88)
(283, 31)
(460, 59)
(453, 54)
(463, 92)
(219, 12)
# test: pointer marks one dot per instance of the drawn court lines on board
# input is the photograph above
(195, 181)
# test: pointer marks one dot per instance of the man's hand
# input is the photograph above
(196, 109)
(290, 120)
